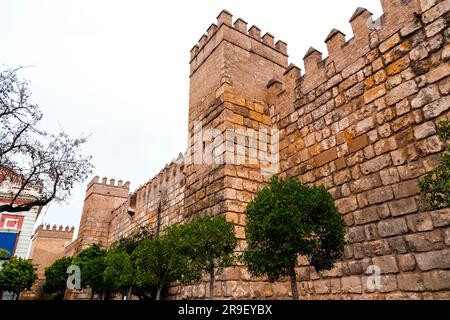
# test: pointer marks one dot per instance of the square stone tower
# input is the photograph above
(231, 67)
(101, 198)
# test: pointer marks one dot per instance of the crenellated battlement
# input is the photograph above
(171, 172)
(110, 183)
(237, 32)
(367, 35)
(225, 18)
(54, 231)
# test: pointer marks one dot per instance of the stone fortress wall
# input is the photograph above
(361, 121)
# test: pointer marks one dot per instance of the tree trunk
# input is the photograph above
(294, 288)
(92, 294)
(158, 292)
(211, 284)
(129, 293)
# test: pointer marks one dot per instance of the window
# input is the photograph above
(8, 241)
(11, 223)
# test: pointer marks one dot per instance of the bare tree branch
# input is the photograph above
(43, 167)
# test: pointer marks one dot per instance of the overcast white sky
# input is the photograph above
(118, 70)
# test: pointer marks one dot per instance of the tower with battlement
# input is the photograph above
(100, 200)
(231, 66)
(48, 244)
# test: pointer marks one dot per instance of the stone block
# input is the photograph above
(351, 284)
(401, 92)
(437, 280)
(406, 189)
(420, 222)
(387, 264)
(392, 227)
(424, 130)
(407, 262)
(380, 195)
(433, 260)
(426, 241)
(410, 282)
(441, 218)
(403, 206)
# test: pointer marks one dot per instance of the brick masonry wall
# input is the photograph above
(162, 196)
(366, 128)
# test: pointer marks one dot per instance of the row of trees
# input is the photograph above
(284, 221)
(144, 264)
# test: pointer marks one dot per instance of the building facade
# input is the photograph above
(16, 229)
(361, 121)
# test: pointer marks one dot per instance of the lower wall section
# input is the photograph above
(401, 278)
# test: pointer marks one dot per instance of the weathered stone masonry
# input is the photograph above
(362, 121)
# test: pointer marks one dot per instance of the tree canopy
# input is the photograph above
(92, 265)
(56, 277)
(158, 262)
(4, 254)
(209, 245)
(16, 275)
(287, 220)
(118, 272)
(129, 243)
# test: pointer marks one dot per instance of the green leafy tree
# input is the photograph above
(435, 186)
(209, 244)
(56, 277)
(118, 273)
(158, 262)
(92, 265)
(16, 275)
(128, 244)
(287, 220)
(92, 276)
(87, 254)
(4, 254)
